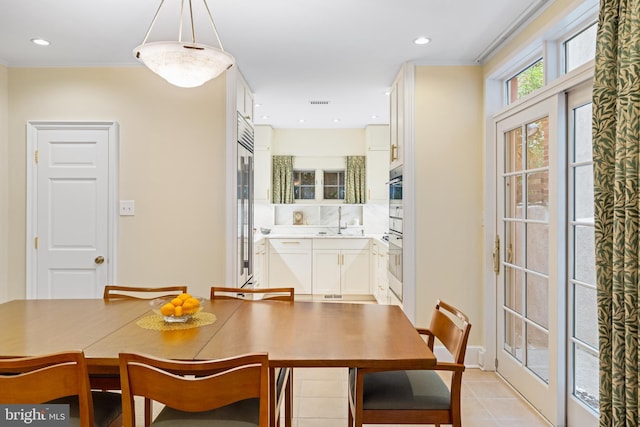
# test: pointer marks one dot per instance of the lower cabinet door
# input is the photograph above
(356, 272)
(290, 269)
(326, 272)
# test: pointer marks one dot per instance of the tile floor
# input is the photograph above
(320, 400)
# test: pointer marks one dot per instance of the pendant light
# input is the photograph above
(181, 63)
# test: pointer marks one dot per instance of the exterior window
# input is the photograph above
(526, 81)
(333, 188)
(304, 185)
(580, 48)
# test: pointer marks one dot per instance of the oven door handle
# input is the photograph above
(394, 181)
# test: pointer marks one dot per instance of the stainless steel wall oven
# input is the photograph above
(395, 231)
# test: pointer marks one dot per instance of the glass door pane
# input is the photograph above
(527, 353)
(582, 357)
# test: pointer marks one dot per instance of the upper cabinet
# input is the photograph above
(396, 120)
(377, 142)
(262, 163)
(244, 101)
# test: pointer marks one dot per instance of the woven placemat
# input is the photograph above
(157, 323)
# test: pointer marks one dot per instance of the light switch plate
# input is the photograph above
(127, 207)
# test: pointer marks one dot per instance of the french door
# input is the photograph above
(582, 321)
(547, 343)
(528, 168)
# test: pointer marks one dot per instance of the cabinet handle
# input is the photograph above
(290, 243)
(394, 152)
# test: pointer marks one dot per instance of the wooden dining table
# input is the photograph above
(294, 334)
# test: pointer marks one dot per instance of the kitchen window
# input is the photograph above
(317, 185)
(333, 185)
(304, 184)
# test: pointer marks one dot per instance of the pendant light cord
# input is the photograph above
(193, 28)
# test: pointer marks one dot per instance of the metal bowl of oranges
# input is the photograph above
(178, 309)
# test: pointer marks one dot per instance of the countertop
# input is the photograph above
(259, 236)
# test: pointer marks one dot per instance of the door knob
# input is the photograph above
(99, 260)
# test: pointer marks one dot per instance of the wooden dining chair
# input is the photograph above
(233, 390)
(415, 396)
(115, 292)
(59, 378)
(274, 294)
(281, 379)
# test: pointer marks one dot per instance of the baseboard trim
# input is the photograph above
(474, 358)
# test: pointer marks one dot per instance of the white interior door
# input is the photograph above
(72, 209)
(528, 211)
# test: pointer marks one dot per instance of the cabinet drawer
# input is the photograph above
(341, 243)
(280, 245)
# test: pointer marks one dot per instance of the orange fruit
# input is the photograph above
(184, 296)
(187, 307)
(178, 311)
(177, 302)
(193, 301)
(167, 310)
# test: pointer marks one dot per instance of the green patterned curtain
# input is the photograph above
(616, 147)
(282, 179)
(355, 180)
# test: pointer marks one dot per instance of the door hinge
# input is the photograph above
(36, 241)
(36, 156)
(496, 255)
(496, 363)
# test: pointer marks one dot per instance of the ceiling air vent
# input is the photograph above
(319, 102)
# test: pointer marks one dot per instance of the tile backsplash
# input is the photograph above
(311, 219)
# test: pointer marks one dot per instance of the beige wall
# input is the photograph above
(449, 192)
(4, 185)
(319, 142)
(172, 163)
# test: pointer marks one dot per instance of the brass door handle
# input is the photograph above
(99, 260)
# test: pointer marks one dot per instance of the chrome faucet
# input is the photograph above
(340, 227)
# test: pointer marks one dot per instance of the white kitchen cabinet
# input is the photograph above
(380, 261)
(290, 264)
(341, 266)
(244, 100)
(262, 164)
(259, 263)
(377, 139)
(396, 120)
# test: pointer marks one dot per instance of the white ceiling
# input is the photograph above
(291, 52)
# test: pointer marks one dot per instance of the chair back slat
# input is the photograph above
(194, 386)
(134, 292)
(40, 379)
(452, 335)
(273, 294)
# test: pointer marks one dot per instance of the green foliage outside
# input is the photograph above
(530, 79)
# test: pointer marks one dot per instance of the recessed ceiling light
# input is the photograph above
(40, 42)
(387, 92)
(336, 120)
(265, 117)
(301, 121)
(422, 40)
(258, 105)
(374, 117)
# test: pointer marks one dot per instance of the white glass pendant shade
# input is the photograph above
(184, 64)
